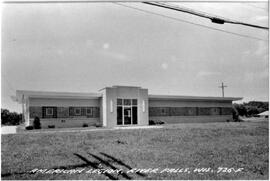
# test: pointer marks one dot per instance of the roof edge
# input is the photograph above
(151, 96)
(52, 94)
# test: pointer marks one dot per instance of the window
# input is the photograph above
(127, 102)
(119, 115)
(49, 111)
(134, 115)
(215, 111)
(89, 111)
(119, 102)
(163, 111)
(77, 111)
(134, 102)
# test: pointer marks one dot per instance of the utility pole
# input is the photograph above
(222, 87)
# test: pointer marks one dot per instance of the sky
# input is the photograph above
(84, 47)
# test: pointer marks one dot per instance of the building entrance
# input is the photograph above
(127, 111)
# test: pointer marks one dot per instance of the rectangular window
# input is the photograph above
(77, 111)
(163, 111)
(119, 115)
(127, 102)
(89, 111)
(134, 115)
(226, 111)
(215, 111)
(119, 102)
(134, 102)
(49, 111)
(204, 111)
(191, 111)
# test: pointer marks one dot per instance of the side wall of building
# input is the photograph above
(181, 111)
(63, 112)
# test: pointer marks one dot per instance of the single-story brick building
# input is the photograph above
(120, 106)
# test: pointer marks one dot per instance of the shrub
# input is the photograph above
(85, 125)
(98, 125)
(160, 122)
(151, 122)
(36, 123)
(155, 122)
(51, 126)
(29, 127)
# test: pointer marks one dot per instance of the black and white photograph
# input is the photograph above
(134, 90)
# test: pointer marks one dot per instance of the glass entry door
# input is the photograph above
(127, 115)
(127, 111)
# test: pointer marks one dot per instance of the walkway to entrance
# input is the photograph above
(137, 127)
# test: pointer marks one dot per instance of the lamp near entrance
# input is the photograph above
(111, 105)
(143, 106)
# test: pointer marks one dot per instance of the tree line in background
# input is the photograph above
(251, 108)
(10, 118)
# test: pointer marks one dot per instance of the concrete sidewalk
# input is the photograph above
(69, 130)
(8, 129)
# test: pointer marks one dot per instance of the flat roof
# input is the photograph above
(178, 97)
(47, 94)
(85, 95)
(120, 86)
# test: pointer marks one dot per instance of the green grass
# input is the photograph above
(231, 145)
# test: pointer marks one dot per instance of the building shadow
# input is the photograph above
(107, 163)
(95, 166)
(121, 163)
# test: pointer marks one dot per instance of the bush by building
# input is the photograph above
(10, 118)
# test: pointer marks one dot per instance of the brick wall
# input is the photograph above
(35, 112)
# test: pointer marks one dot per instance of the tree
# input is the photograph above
(252, 111)
(36, 123)
(241, 109)
(10, 118)
(235, 113)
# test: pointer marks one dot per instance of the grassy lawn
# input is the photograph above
(187, 146)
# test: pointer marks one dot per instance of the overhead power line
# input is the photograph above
(185, 21)
(251, 5)
(214, 19)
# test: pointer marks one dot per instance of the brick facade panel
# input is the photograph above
(96, 112)
(62, 112)
(35, 111)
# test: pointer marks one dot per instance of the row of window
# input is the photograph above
(127, 102)
(54, 112)
(188, 111)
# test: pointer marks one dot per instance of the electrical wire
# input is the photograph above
(181, 20)
(214, 19)
(251, 5)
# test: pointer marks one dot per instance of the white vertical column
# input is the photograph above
(143, 106)
(111, 105)
(27, 117)
(23, 110)
(104, 108)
